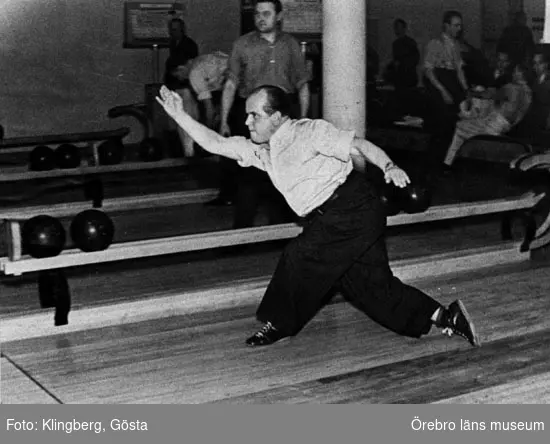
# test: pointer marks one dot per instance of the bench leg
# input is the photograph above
(529, 227)
(530, 230)
(13, 239)
(93, 190)
(53, 291)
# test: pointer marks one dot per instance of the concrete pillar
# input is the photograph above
(344, 64)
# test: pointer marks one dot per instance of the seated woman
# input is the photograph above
(510, 103)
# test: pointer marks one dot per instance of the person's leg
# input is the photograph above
(346, 246)
(370, 286)
(313, 262)
(460, 136)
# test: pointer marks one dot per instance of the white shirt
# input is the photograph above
(305, 159)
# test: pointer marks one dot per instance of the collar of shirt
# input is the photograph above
(281, 136)
(260, 37)
(447, 39)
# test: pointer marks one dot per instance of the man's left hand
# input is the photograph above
(397, 176)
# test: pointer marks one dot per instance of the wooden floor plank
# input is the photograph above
(529, 390)
(422, 380)
(18, 388)
(202, 358)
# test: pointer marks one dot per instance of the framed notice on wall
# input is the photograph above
(303, 16)
(146, 23)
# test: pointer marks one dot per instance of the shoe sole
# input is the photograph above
(462, 308)
(286, 338)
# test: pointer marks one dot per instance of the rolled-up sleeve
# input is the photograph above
(331, 141)
(246, 150)
(431, 54)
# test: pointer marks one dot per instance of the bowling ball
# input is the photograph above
(67, 156)
(92, 230)
(151, 149)
(416, 198)
(43, 236)
(391, 199)
(110, 152)
(42, 158)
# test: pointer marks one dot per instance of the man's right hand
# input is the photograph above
(224, 129)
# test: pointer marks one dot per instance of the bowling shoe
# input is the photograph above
(456, 320)
(267, 335)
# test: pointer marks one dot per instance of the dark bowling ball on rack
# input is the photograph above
(43, 236)
(151, 149)
(110, 152)
(42, 158)
(391, 199)
(417, 198)
(67, 156)
(92, 230)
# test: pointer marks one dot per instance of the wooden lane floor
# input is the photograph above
(340, 357)
(18, 388)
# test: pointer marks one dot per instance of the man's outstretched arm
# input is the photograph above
(208, 139)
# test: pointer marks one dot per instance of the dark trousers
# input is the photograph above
(343, 246)
(441, 117)
(249, 187)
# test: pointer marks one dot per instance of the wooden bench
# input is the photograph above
(16, 264)
(89, 139)
(14, 218)
(539, 162)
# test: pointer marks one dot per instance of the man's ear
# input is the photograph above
(277, 117)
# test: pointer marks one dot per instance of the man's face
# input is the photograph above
(502, 61)
(261, 125)
(265, 17)
(539, 65)
(454, 28)
(176, 30)
(399, 29)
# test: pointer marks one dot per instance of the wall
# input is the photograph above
(62, 63)
(535, 9)
(424, 20)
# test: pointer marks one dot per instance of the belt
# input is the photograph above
(321, 209)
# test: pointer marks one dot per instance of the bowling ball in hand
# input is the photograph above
(92, 230)
(417, 198)
(42, 158)
(43, 236)
(391, 199)
(67, 156)
(110, 152)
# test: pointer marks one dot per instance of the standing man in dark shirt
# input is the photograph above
(401, 71)
(266, 56)
(517, 40)
(183, 50)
